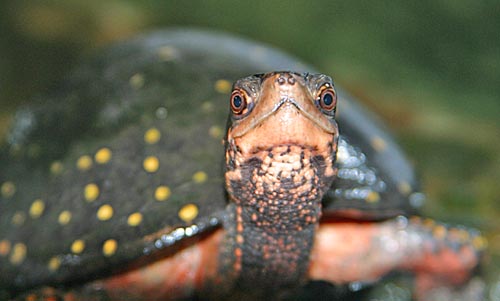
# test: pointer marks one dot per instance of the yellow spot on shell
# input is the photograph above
(372, 197)
(109, 247)
(215, 132)
(105, 212)
(480, 242)
(8, 189)
(439, 232)
(151, 164)
(162, 193)
(404, 188)
(200, 177)
(103, 155)
(84, 163)
(152, 136)
(78, 246)
(137, 81)
(167, 53)
(134, 219)
(417, 220)
(18, 254)
(430, 223)
(91, 192)
(37, 208)
(64, 217)
(207, 107)
(378, 144)
(56, 168)
(18, 218)
(54, 263)
(463, 235)
(188, 212)
(4, 247)
(223, 86)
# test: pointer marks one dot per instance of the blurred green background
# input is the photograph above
(430, 68)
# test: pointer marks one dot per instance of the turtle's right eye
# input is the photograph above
(238, 102)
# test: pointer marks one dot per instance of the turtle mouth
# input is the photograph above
(323, 124)
(287, 103)
(287, 122)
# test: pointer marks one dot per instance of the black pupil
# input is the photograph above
(237, 101)
(327, 99)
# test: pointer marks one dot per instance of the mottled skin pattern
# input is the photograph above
(280, 150)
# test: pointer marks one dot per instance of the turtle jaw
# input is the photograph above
(283, 104)
(287, 124)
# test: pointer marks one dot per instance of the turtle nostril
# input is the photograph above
(286, 78)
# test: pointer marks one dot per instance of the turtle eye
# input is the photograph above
(327, 98)
(238, 102)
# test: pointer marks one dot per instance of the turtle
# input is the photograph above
(147, 175)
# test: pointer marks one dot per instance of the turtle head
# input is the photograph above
(281, 125)
(282, 108)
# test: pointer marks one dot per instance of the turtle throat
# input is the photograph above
(275, 208)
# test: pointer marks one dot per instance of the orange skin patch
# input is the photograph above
(350, 251)
(173, 278)
(343, 252)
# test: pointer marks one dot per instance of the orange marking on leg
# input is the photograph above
(345, 245)
(238, 253)
(349, 251)
(239, 239)
(69, 297)
(453, 266)
(175, 277)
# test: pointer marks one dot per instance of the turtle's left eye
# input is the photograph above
(327, 98)
(238, 102)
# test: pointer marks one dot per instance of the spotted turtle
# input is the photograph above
(130, 182)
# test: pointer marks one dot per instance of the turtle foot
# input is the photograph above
(442, 258)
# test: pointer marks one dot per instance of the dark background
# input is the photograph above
(430, 68)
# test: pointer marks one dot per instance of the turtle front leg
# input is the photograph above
(438, 255)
